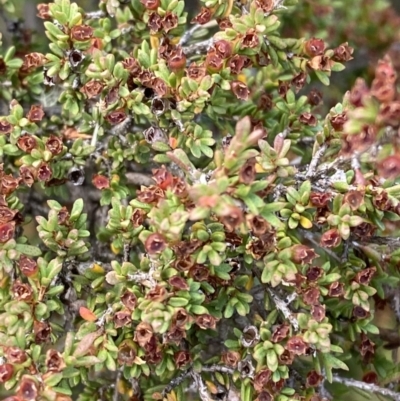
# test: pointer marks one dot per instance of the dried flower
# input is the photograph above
(44, 172)
(311, 296)
(203, 16)
(5, 127)
(27, 175)
(314, 47)
(81, 33)
(129, 299)
(250, 39)
(92, 89)
(143, 334)
(155, 243)
(318, 312)
(122, 318)
(336, 289)
(6, 231)
(265, 5)
(170, 21)
(231, 358)
(15, 355)
(237, 63)
(26, 143)
(101, 181)
(331, 238)
(280, 333)
(360, 313)
(308, 119)
(43, 11)
(214, 61)
(54, 144)
(126, 353)
(151, 4)
(232, 217)
(261, 379)
(240, 90)
(42, 331)
(6, 372)
(54, 361)
(116, 117)
(296, 345)
(35, 114)
(206, 321)
(302, 254)
(182, 358)
(27, 266)
(364, 277)
(313, 379)
(343, 53)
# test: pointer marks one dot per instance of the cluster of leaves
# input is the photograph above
(174, 212)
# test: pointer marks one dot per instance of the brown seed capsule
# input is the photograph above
(343, 53)
(116, 117)
(170, 21)
(231, 358)
(314, 47)
(370, 378)
(155, 243)
(122, 319)
(336, 289)
(143, 334)
(54, 361)
(44, 172)
(27, 266)
(223, 48)
(261, 379)
(358, 93)
(365, 276)
(315, 97)
(237, 63)
(154, 22)
(27, 389)
(126, 353)
(151, 4)
(318, 312)
(101, 181)
(297, 345)
(308, 119)
(26, 143)
(265, 5)
(32, 61)
(81, 33)
(177, 61)
(7, 214)
(240, 90)
(311, 295)
(280, 333)
(28, 175)
(338, 121)
(42, 331)
(35, 114)
(203, 16)
(182, 358)
(224, 23)
(8, 184)
(178, 283)
(331, 238)
(232, 218)
(5, 127)
(54, 144)
(313, 379)
(43, 11)
(92, 89)
(7, 231)
(214, 62)
(15, 355)
(247, 172)
(206, 321)
(302, 254)
(389, 167)
(6, 372)
(250, 39)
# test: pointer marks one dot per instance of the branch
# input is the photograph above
(176, 382)
(198, 47)
(315, 160)
(372, 388)
(189, 33)
(283, 307)
(202, 388)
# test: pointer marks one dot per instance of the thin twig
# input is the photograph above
(176, 382)
(315, 160)
(283, 307)
(372, 388)
(198, 47)
(202, 388)
(95, 15)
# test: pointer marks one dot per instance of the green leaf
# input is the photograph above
(76, 209)
(323, 77)
(28, 250)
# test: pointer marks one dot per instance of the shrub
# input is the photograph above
(180, 218)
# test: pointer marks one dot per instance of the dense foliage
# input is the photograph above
(180, 216)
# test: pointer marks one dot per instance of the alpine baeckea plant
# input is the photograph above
(181, 219)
